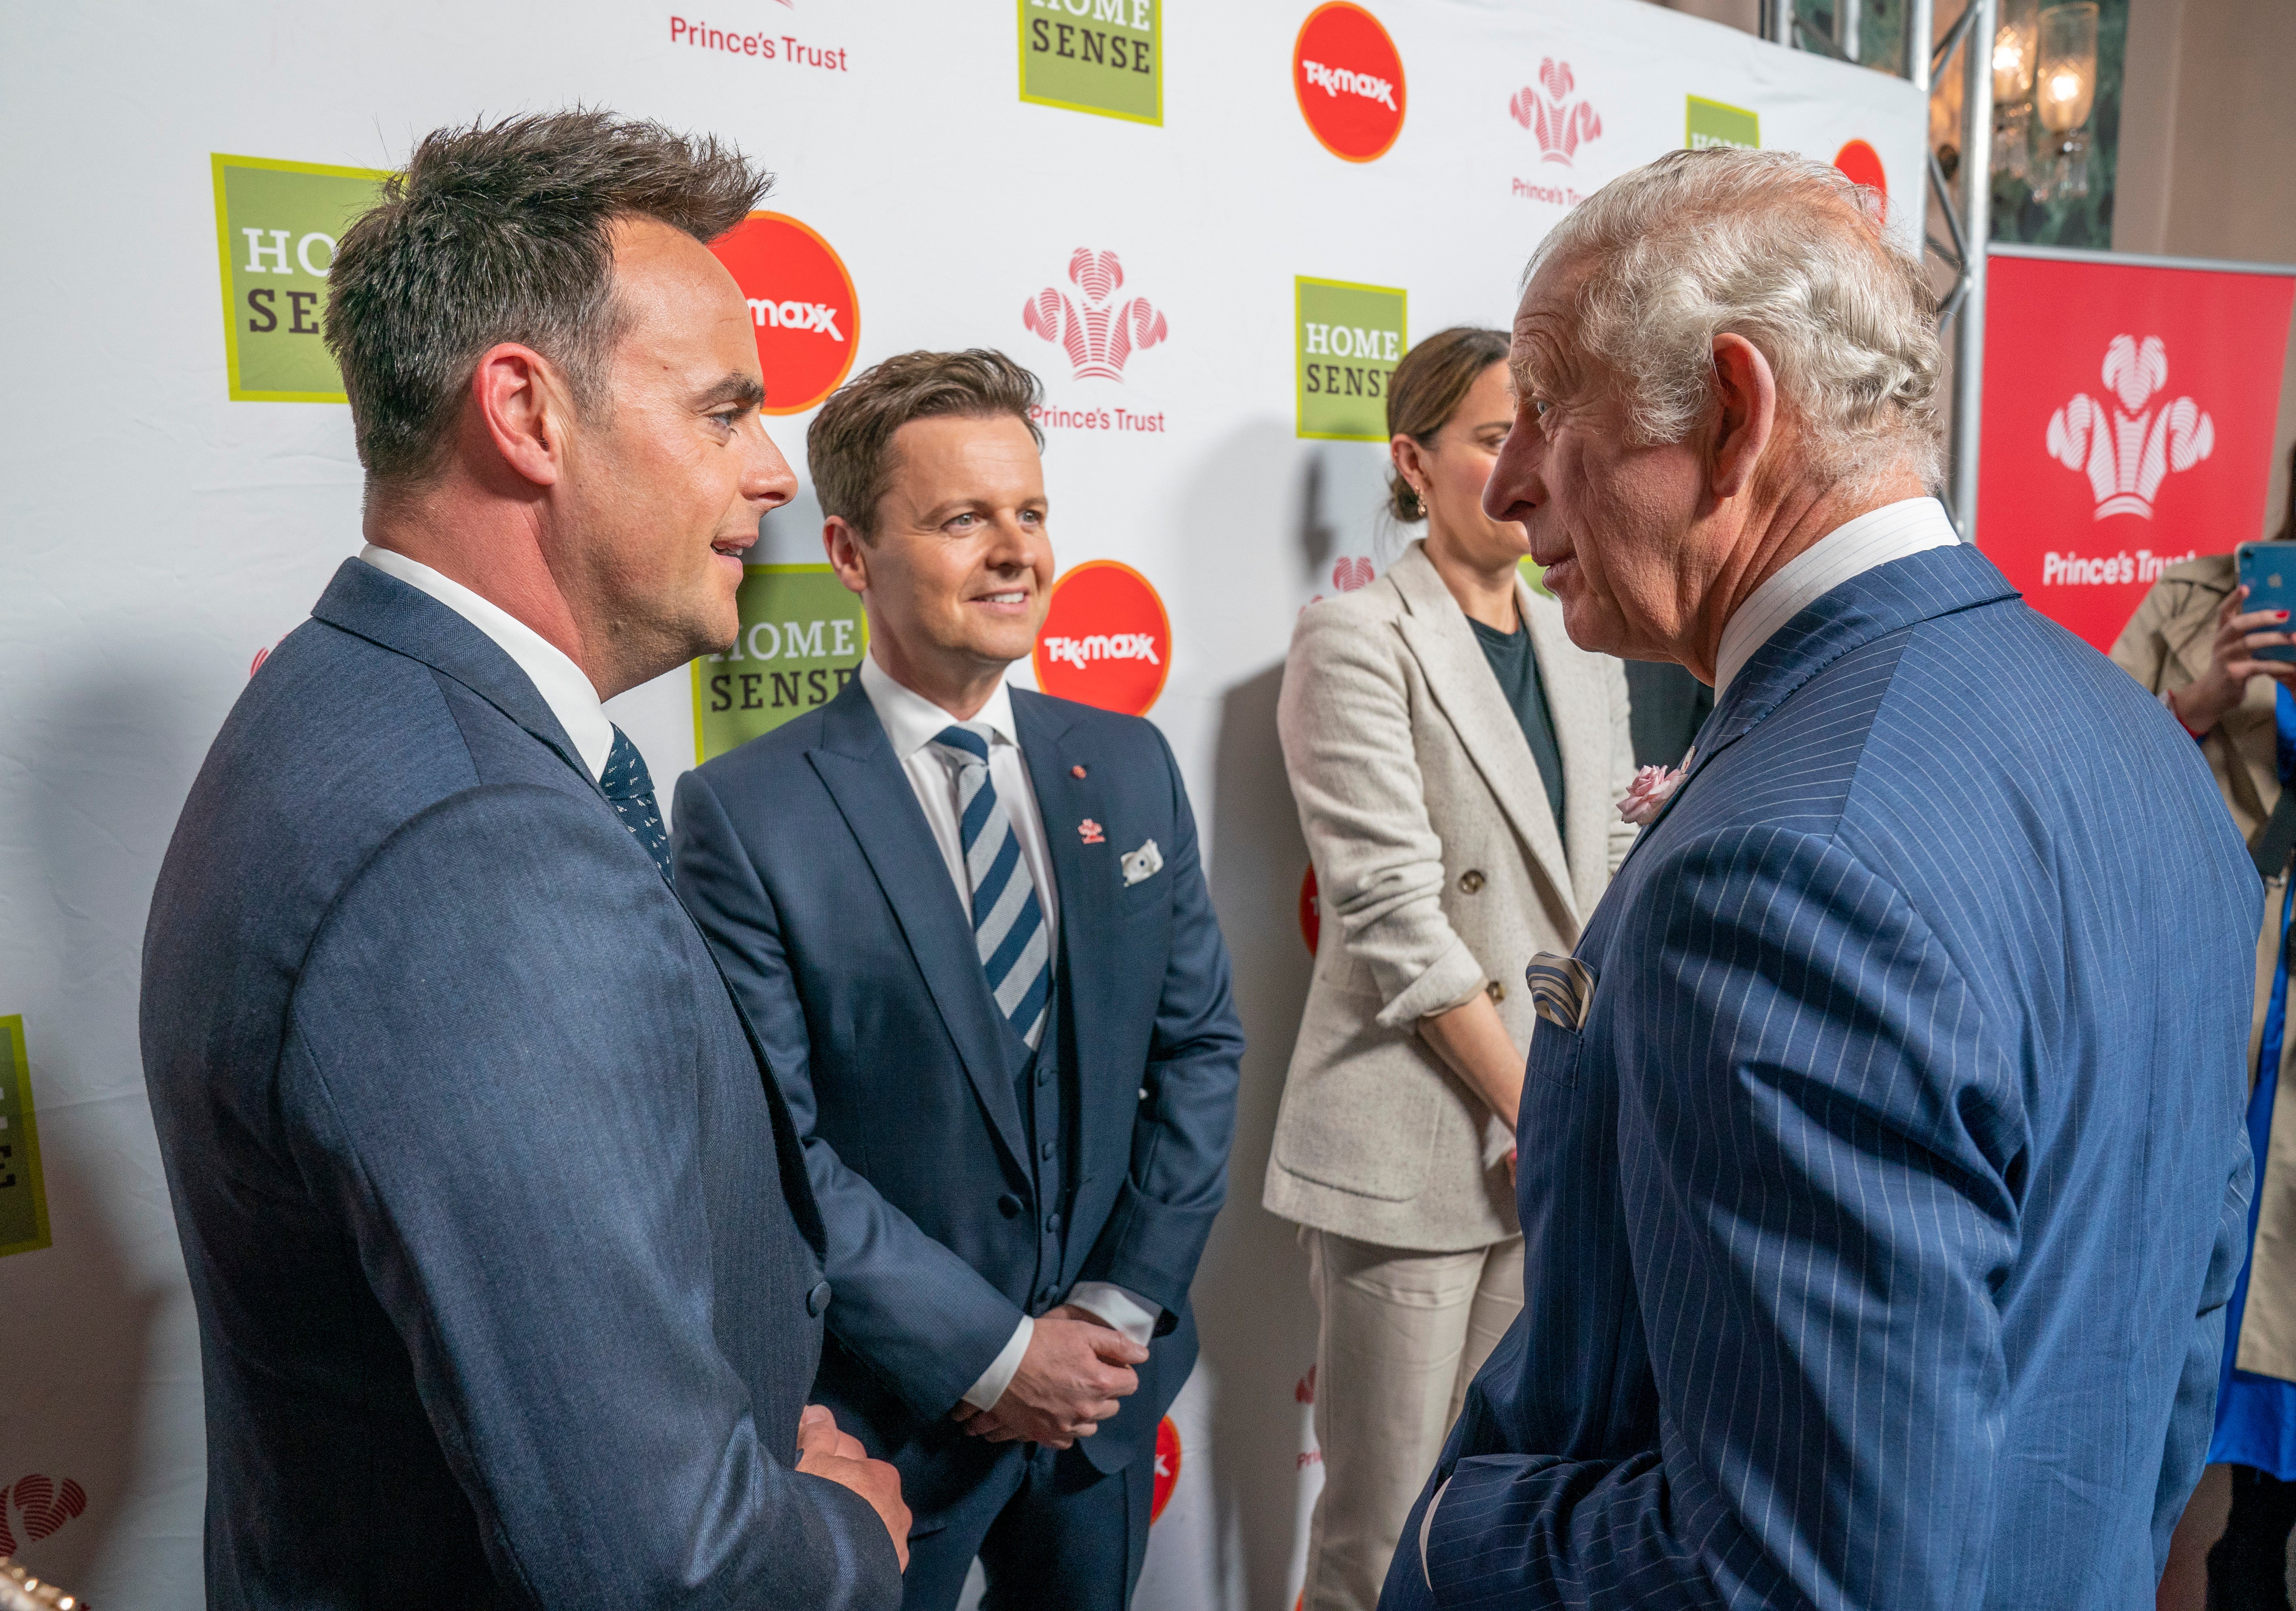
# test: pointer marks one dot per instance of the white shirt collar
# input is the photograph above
(1875, 538)
(565, 688)
(912, 721)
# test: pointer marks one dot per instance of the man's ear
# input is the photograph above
(522, 400)
(1746, 415)
(848, 555)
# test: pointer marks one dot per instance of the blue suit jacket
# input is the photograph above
(1879, 1218)
(807, 860)
(500, 1240)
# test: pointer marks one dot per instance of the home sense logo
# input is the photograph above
(276, 225)
(802, 302)
(1349, 80)
(23, 1196)
(1715, 123)
(1560, 123)
(1100, 56)
(2129, 451)
(1102, 333)
(1351, 338)
(1106, 640)
(801, 640)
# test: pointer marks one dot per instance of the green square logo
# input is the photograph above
(1713, 123)
(276, 225)
(23, 1197)
(1103, 56)
(802, 639)
(1349, 339)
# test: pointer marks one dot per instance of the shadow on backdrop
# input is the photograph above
(90, 1401)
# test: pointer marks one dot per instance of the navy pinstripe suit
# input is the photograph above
(1879, 1217)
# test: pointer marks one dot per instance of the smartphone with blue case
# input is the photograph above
(2268, 571)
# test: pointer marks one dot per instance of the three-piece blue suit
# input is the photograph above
(1880, 1214)
(964, 1181)
(507, 1271)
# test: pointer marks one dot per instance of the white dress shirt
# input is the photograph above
(563, 685)
(1875, 538)
(911, 722)
(1852, 548)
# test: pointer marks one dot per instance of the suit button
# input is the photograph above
(1053, 1220)
(1044, 1300)
(1046, 1151)
(1009, 1205)
(1471, 881)
(817, 1299)
(1494, 990)
(1044, 1076)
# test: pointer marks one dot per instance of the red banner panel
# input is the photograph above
(2128, 420)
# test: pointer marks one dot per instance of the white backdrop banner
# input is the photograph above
(1211, 229)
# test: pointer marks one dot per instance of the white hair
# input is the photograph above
(1784, 251)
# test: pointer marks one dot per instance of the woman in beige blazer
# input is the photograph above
(1458, 765)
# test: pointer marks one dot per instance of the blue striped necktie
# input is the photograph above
(628, 788)
(1008, 924)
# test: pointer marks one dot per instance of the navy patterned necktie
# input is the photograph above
(1008, 924)
(629, 787)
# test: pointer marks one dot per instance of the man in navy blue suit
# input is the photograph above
(507, 1271)
(1882, 1178)
(970, 925)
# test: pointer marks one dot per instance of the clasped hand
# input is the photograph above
(824, 1451)
(1076, 1369)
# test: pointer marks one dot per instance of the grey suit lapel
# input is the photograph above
(1437, 636)
(365, 602)
(856, 764)
(1580, 708)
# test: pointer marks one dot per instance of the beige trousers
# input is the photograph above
(1401, 1337)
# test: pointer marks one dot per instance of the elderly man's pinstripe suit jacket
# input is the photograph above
(1880, 1214)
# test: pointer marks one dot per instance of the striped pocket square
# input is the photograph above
(1562, 989)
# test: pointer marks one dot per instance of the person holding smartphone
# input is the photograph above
(2196, 645)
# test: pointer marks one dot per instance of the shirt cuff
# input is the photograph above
(984, 1394)
(1448, 981)
(1126, 1312)
(1426, 1522)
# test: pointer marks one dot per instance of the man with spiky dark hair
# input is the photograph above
(509, 1278)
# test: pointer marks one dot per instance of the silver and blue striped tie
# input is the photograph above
(1008, 924)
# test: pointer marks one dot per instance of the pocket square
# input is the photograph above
(1145, 862)
(1562, 990)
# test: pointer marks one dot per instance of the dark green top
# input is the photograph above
(1517, 670)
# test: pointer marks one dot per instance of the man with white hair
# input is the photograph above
(1876, 1238)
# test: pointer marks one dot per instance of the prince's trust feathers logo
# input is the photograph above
(2129, 450)
(1102, 333)
(1559, 124)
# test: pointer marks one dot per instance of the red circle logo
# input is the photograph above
(1167, 1468)
(1105, 640)
(802, 302)
(1863, 164)
(1311, 914)
(1349, 80)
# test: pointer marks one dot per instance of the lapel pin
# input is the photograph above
(1076, 771)
(1091, 831)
